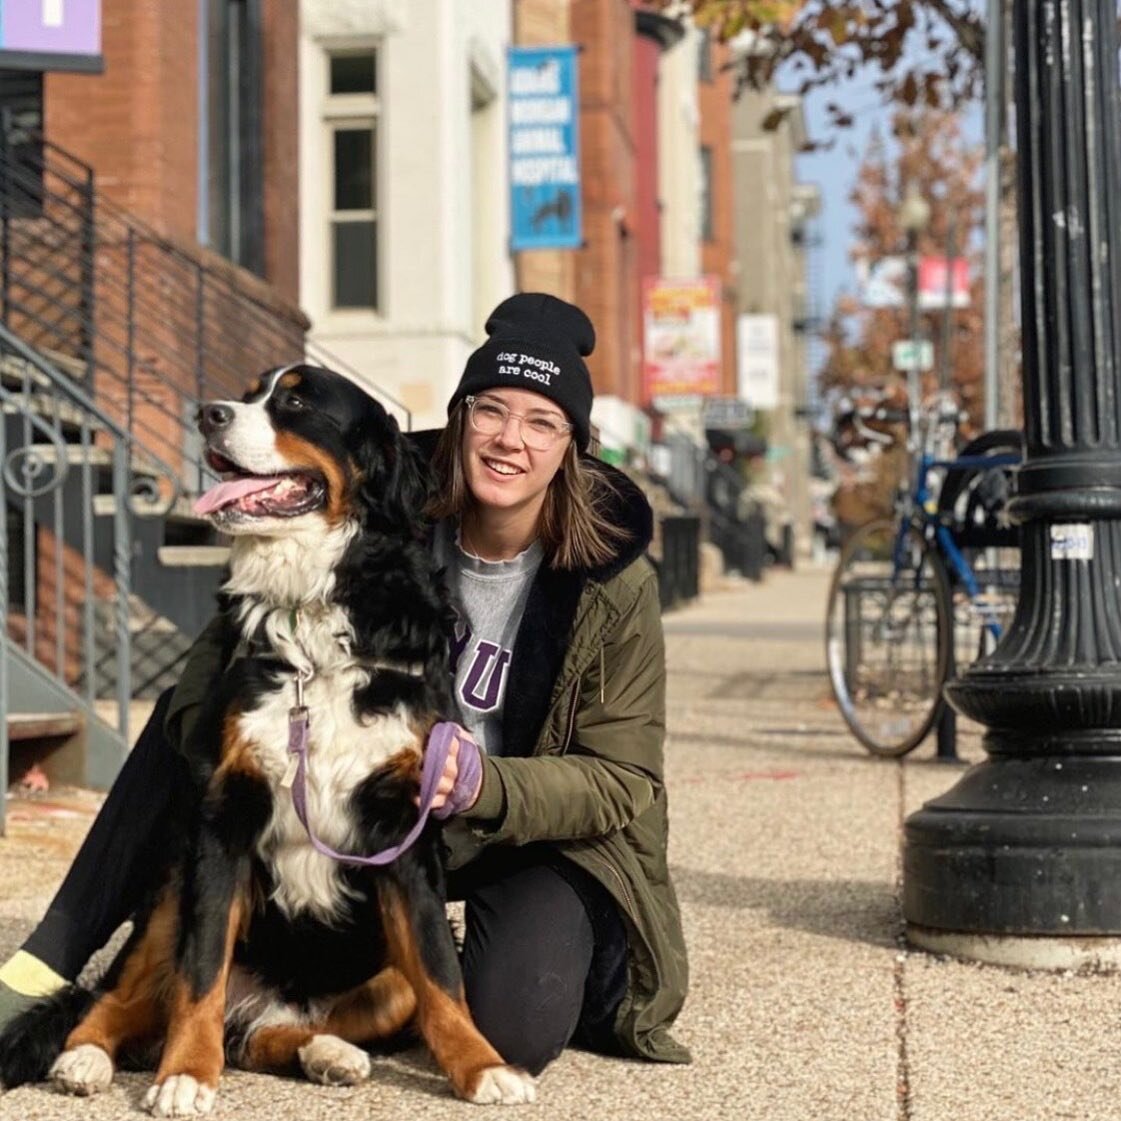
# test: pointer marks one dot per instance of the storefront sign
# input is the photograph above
(681, 337)
(544, 138)
(757, 344)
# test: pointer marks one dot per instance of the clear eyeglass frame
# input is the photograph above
(539, 433)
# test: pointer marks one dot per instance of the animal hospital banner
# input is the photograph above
(544, 141)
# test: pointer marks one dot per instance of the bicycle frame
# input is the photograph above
(916, 512)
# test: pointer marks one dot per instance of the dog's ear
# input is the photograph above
(395, 483)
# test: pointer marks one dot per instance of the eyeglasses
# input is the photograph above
(540, 431)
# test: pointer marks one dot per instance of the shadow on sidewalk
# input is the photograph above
(852, 910)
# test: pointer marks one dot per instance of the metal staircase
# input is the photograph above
(110, 335)
(58, 453)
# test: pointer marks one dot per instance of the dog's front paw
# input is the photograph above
(179, 1095)
(83, 1070)
(503, 1085)
(333, 1061)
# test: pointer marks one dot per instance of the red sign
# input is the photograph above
(681, 337)
(933, 279)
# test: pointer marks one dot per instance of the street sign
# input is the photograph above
(884, 282)
(909, 354)
(727, 413)
(677, 402)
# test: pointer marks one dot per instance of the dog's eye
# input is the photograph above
(291, 401)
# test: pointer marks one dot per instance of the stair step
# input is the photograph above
(182, 509)
(75, 454)
(194, 556)
(42, 725)
(67, 363)
(15, 370)
(54, 409)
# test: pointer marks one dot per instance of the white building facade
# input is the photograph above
(403, 199)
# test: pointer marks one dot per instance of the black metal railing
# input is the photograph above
(66, 627)
(143, 327)
(148, 326)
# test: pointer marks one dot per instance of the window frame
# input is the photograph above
(343, 112)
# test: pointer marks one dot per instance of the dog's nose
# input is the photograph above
(213, 418)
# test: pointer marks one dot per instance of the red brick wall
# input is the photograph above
(648, 205)
(280, 104)
(137, 123)
(607, 269)
(715, 103)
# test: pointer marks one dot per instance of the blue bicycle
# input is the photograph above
(928, 590)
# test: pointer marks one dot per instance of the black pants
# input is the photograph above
(544, 951)
(544, 955)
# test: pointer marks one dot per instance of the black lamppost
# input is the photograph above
(1025, 851)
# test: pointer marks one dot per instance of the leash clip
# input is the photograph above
(303, 676)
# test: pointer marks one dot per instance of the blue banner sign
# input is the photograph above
(544, 115)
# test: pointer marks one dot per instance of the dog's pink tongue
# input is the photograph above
(225, 493)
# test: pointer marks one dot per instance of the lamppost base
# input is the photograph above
(1019, 847)
(1099, 955)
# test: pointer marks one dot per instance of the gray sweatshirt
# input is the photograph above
(489, 598)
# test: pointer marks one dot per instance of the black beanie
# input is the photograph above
(537, 342)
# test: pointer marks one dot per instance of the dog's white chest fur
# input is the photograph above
(342, 753)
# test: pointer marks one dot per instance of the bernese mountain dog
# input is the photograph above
(255, 944)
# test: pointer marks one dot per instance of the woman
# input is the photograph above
(558, 844)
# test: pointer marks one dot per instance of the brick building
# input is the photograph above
(206, 159)
(716, 89)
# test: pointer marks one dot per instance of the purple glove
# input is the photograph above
(470, 765)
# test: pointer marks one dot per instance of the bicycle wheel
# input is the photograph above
(888, 632)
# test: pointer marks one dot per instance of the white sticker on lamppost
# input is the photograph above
(1072, 541)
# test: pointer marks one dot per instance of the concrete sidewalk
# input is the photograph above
(785, 850)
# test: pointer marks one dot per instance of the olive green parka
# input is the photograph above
(582, 769)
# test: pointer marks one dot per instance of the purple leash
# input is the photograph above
(435, 756)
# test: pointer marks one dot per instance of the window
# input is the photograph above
(21, 116)
(707, 232)
(234, 219)
(351, 120)
(353, 73)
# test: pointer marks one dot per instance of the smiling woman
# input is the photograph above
(557, 823)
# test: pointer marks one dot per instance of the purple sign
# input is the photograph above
(51, 27)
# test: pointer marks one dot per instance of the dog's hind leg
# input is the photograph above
(325, 1049)
(421, 946)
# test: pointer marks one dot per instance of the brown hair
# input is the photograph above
(574, 528)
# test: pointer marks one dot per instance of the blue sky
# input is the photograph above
(834, 171)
